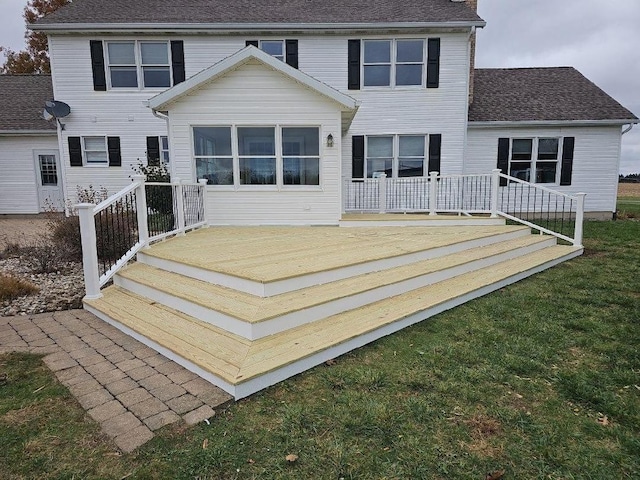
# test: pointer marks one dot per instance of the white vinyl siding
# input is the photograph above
(596, 158)
(19, 182)
(256, 96)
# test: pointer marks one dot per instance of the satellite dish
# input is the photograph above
(57, 109)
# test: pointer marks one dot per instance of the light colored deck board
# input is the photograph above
(260, 254)
(418, 217)
(198, 342)
(253, 309)
(281, 349)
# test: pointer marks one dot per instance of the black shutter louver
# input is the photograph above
(353, 75)
(433, 63)
(75, 151)
(177, 61)
(357, 156)
(97, 66)
(291, 52)
(255, 43)
(435, 148)
(153, 151)
(566, 170)
(503, 159)
(113, 147)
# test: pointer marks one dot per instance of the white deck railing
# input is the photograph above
(541, 208)
(119, 227)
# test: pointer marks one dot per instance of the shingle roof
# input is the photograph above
(260, 11)
(22, 100)
(540, 94)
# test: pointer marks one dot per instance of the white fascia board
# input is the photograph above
(242, 27)
(28, 133)
(250, 52)
(552, 123)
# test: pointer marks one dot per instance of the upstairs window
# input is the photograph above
(138, 64)
(388, 63)
(275, 48)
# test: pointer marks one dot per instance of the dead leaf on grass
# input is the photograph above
(497, 475)
(205, 443)
(330, 362)
(291, 458)
(603, 420)
(251, 461)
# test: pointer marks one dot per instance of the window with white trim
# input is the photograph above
(389, 63)
(264, 155)
(396, 155)
(164, 150)
(94, 150)
(535, 160)
(275, 48)
(137, 64)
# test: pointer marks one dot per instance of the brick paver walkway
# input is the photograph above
(130, 389)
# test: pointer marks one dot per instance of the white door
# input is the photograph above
(49, 181)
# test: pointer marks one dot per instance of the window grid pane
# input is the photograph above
(377, 63)
(121, 53)
(212, 141)
(48, 170)
(301, 171)
(217, 170)
(154, 53)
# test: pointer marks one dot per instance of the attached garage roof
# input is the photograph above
(542, 94)
(220, 12)
(22, 100)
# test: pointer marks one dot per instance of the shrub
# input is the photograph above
(159, 198)
(43, 256)
(12, 287)
(65, 234)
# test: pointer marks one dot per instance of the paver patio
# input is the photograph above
(125, 386)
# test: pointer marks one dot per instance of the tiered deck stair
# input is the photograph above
(247, 307)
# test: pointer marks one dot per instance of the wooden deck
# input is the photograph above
(244, 342)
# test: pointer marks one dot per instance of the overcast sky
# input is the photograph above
(600, 38)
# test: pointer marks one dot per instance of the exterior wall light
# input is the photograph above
(330, 140)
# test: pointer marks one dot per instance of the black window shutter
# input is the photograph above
(153, 151)
(113, 146)
(568, 145)
(291, 55)
(435, 148)
(503, 158)
(433, 63)
(97, 65)
(255, 43)
(177, 61)
(354, 65)
(75, 151)
(357, 156)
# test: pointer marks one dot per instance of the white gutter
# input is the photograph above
(27, 133)
(241, 27)
(552, 123)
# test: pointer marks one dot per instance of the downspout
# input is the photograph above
(166, 119)
(626, 130)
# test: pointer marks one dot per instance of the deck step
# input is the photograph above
(242, 366)
(272, 270)
(415, 220)
(255, 317)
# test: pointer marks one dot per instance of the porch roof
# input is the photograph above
(348, 105)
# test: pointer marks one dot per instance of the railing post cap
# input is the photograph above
(138, 177)
(497, 170)
(581, 194)
(84, 206)
(203, 181)
(434, 174)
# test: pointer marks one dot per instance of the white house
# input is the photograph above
(278, 106)
(297, 113)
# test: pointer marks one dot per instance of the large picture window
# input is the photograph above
(277, 156)
(135, 64)
(535, 159)
(388, 63)
(396, 155)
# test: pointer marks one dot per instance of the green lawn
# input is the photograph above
(541, 379)
(628, 207)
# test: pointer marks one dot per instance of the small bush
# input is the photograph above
(12, 287)
(11, 249)
(43, 256)
(65, 234)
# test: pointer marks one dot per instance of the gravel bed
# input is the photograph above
(60, 290)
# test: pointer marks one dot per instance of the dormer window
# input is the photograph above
(138, 64)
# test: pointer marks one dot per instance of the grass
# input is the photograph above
(12, 287)
(540, 378)
(628, 205)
